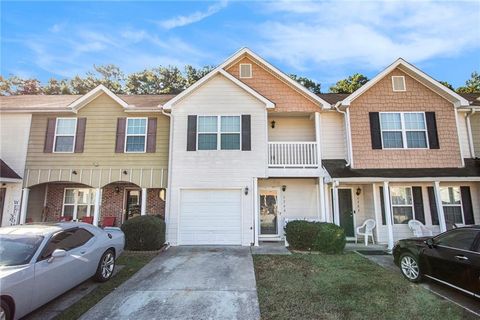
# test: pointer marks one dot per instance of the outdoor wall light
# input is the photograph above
(359, 191)
(272, 124)
(74, 172)
(117, 190)
(125, 172)
(246, 190)
(284, 188)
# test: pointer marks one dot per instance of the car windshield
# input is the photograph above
(18, 249)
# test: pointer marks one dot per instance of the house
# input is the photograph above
(14, 133)
(96, 155)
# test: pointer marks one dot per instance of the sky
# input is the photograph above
(325, 41)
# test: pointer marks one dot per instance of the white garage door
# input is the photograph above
(210, 217)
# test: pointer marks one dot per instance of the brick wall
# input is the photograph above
(286, 98)
(381, 97)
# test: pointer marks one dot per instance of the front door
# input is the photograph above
(269, 212)
(346, 211)
(132, 203)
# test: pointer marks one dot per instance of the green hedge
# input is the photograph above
(315, 236)
(144, 233)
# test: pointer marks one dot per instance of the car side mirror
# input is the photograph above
(430, 243)
(58, 253)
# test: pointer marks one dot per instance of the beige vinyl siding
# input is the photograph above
(291, 129)
(475, 123)
(333, 135)
(463, 133)
(98, 159)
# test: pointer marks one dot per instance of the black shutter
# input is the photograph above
(432, 130)
(192, 133)
(467, 205)
(246, 133)
(382, 206)
(120, 137)
(80, 135)
(375, 131)
(50, 135)
(418, 204)
(433, 205)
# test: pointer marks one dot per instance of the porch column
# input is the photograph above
(96, 208)
(377, 210)
(438, 200)
(318, 138)
(143, 208)
(327, 206)
(321, 205)
(336, 206)
(256, 218)
(388, 213)
(23, 209)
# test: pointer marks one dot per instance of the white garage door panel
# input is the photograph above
(210, 217)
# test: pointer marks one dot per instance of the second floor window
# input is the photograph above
(403, 130)
(65, 130)
(136, 135)
(219, 133)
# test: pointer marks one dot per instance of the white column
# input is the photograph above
(321, 204)
(96, 208)
(143, 208)
(23, 209)
(388, 213)
(327, 206)
(318, 138)
(438, 200)
(377, 210)
(256, 218)
(336, 205)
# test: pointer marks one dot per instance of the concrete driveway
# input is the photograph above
(187, 283)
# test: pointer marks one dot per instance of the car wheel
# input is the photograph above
(410, 268)
(105, 266)
(5, 311)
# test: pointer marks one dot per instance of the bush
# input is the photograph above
(315, 236)
(330, 239)
(144, 233)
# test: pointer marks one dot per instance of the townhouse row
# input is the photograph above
(242, 151)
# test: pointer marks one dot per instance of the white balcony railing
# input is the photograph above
(292, 155)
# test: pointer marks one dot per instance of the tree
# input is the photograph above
(307, 83)
(350, 84)
(5, 87)
(54, 86)
(448, 85)
(22, 86)
(156, 81)
(193, 74)
(472, 85)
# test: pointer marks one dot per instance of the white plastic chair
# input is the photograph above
(418, 229)
(368, 225)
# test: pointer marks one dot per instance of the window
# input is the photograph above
(219, 132)
(398, 83)
(78, 203)
(403, 130)
(136, 135)
(67, 240)
(460, 239)
(245, 70)
(452, 205)
(65, 130)
(402, 204)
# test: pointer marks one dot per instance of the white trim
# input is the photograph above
(240, 70)
(438, 200)
(135, 135)
(403, 205)
(93, 94)
(256, 215)
(283, 76)
(280, 199)
(462, 160)
(388, 213)
(469, 133)
(458, 100)
(75, 203)
(169, 104)
(404, 130)
(404, 84)
(453, 205)
(65, 135)
(413, 179)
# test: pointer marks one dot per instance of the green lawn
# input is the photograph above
(346, 286)
(132, 262)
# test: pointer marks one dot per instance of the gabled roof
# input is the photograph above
(7, 172)
(211, 74)
(247, 52)
(93, 94)
(418, 75)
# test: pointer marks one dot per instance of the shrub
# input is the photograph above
(300, 234)
(329, 239)
(144, 233)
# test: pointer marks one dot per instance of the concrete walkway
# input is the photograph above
(187, 283)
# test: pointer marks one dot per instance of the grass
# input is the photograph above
(132, 263)
(345, 286)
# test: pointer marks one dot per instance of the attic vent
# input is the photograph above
(245, 70)
(398, 83)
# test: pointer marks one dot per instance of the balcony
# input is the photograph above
(293, 155)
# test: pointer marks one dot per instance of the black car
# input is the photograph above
(452, 258)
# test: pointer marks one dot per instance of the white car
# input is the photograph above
(39, 262)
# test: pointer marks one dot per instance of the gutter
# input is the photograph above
(349, 133)
(169, 175)
(469, 133)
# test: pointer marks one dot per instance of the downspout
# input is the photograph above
(348, 134)
(469, 133)
(169, 175)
